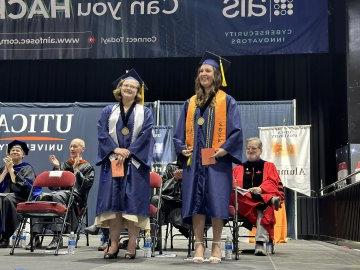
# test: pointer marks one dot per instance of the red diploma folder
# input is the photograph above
(117, 170)
(206, 158)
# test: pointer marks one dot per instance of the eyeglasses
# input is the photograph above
(130, 86)
(251, 148)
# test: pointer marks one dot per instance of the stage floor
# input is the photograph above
(296, 254)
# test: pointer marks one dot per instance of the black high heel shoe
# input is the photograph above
(110, 256)
(129, 255)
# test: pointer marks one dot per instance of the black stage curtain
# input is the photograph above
(316, 81)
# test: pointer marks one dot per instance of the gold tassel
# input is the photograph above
(223, 83)
(142, 94)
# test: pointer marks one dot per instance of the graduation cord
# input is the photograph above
(209, 118)
(208, 127)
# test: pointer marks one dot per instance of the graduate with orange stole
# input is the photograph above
(208, 138)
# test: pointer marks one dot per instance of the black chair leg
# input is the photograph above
(87, 225)
(166, 236)
(171, 237)
(82, 222)
(160, 237)
(236, 239)
(17, 238)
(192, 240)
(206, 238)
(190, 243)
(58, 245)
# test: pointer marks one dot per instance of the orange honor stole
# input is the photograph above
(219, 132)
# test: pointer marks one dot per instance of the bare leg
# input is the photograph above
(198, 226)
(133, 235)
(115, 227)
(217, 225)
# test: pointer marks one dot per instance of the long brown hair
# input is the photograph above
(117, 92)
(200, 91)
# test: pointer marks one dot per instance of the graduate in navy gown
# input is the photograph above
(16, 179)
(210, 120)
(124, 135)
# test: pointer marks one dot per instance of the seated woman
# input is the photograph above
(265, 194)
(16, 179)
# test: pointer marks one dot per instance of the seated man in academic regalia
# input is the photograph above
(265, 195)
(171, 199)
(16, 179)
(85, 174)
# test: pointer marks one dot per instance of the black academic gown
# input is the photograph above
(13, 193)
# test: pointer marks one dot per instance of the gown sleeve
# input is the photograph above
(179, 135)
(85, 177)
(238, 173)
(4, 183)
(234, 140)
(23, 181)
(271, 183)
(106, 144)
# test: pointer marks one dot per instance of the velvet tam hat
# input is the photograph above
(20, 144)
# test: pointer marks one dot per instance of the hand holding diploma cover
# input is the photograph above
(117, 168)
(209, 124)
(207, 156)
(125, 143)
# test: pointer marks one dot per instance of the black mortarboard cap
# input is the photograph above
(217, 62)
(130, 74)
(22, 144)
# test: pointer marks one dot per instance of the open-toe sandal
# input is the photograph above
(199, 259)
(215, 259)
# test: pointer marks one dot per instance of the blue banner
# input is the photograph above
(53, 29)
(163, 152)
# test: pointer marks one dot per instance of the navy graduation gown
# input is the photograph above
(13, 193)
(25, 177)
(129, 194)
(206, 189)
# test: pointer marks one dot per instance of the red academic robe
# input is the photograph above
(271, 186)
